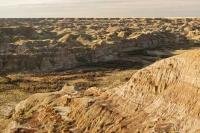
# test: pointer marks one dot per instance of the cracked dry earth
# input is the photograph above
(163, 97)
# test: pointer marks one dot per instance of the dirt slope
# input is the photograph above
(163, 97)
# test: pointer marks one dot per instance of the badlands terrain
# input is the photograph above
(96, 75)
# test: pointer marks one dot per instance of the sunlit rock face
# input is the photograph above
(163, 97)
(66, 58)
(60, 44)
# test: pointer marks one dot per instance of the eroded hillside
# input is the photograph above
(96, 75)
(163, 97)
(59, 44)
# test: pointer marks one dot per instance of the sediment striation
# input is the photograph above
(162, 97)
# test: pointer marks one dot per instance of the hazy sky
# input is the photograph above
(99, 8)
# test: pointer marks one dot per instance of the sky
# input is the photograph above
(99, 8)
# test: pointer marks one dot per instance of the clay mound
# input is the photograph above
(67, 38)
(163, 97)
(46, 45)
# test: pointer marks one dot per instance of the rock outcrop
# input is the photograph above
(163, 97)
(42, 45)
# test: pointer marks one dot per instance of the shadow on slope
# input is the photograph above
(141, 56)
